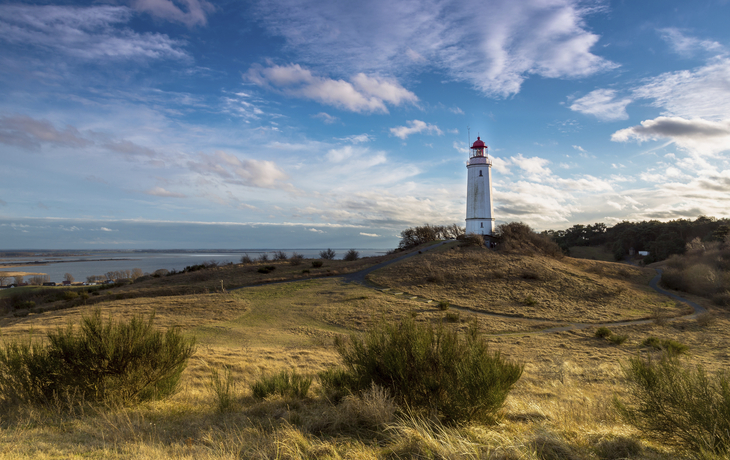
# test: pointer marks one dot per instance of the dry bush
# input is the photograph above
(520, 238)
(374, 408)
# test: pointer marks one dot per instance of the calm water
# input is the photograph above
(82, 266)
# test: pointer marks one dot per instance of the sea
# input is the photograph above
(98, 263)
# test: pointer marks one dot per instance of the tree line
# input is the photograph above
(660, 239)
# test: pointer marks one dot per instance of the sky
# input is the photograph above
(312, 124)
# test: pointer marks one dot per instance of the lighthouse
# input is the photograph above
(479, 217)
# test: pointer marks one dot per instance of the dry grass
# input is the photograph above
(530, 286)
(561, 408)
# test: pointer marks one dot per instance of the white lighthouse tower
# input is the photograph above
(479, 218)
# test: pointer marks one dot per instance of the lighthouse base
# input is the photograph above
(480, 226)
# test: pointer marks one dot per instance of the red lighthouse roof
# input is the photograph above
(478, 144)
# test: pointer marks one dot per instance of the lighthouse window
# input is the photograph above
(482, 222)
(480, 173)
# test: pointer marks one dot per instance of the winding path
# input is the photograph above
(360, 278)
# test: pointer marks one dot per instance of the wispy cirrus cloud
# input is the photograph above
(415, 127)
(27, 132)
(159, 191)
(493, 45)
(687, 45)
(196, 13)
(603, 104)
(248, 172)
(88, 33)
(362, 94)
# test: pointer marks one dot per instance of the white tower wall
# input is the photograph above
(479, 212)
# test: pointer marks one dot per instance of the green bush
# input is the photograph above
(449, 375)
(317, 263)
(267, 269)
(99, 362)
(617, 339)
(669, 346)
(284, 384)
(69, 295)
(328, 254)
(603, 332)
(351, 255)
(336, 383)
(443, 305)
(452, 317)
(677, 404)
(223, 388)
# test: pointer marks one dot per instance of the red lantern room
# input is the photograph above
(479, 148)
(479, 154)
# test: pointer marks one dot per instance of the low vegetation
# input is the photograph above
(450, 376)
(676, 403)
(277, 337)
(703, 270)
(102, 361)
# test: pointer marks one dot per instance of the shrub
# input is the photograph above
(336, 383)
(102, 361)
(447, 374)
(69, 295)
(246, 259)
(603, 332)
(678, 404)
(671, 347)
(529, 300)
(722, 299)
(351, 255)
(471, 240)
(327, 254)
(284, 384)
(280, 255)
(266, 269)
(617, 339)
(223, 389)
(452, 317)
(317, 263)
(263, 257)
(296, 259)
(520, 238)
(443, 305)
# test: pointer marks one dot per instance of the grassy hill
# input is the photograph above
(560, 408)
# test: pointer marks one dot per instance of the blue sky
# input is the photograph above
(309, 123)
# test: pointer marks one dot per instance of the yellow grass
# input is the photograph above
(560, 407)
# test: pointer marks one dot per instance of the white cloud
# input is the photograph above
(315, 230)
(686, 45)
(365, 94)
(700, 93)
(696, 135)
(28, 132)
(602, 103)
(493, 45)
(372, 235)
(196, 13)
(105, 229)
(456, 110)
(535, 167)
(84, 32)
(159, 191)
(249, 172)
(326, 118)
(579, 148)
(415, 126)
(357, 138)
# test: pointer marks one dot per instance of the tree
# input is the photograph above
(68, 277)
(329, 254)
(351, 255)
(3, 278)
(18, 279)
(136, 273)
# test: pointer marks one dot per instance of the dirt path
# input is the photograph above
(360, 278)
